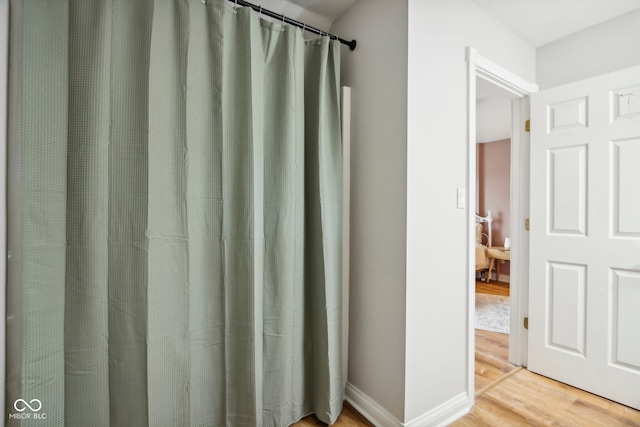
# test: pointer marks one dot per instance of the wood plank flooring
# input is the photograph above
(492, 358)
(507, 395)
(526, 399)
(510, 396)
(349, 417)
(493, 288)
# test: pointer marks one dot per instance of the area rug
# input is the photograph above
(492, 313)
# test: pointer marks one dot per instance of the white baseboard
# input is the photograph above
(441, 416)
(505, 278)
(370, 409)
(444, 414)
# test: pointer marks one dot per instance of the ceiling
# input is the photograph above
(486, 90)
(542, 21)
(328, 8)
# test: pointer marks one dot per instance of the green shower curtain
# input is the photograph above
(181, 217)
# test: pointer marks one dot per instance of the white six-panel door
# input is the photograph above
(584, 295)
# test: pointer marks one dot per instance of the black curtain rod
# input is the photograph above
(260, 9)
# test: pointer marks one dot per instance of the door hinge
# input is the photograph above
(527, 125)
(526, 224)
(526, 323)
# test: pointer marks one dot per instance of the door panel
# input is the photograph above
(584, 290)
(567, 292)
(568, 190)
(626, 197)
(625, 326)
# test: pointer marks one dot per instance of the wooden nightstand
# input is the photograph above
(497, 253)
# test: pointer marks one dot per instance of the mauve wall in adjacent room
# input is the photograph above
(494, 163)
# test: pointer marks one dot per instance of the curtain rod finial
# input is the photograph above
(352, 45)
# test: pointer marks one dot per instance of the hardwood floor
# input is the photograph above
(493, 288)
(349, 417)
(507, 395)
(510, 396)
(492, 358)
(526, 399)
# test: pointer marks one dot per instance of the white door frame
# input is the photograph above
(479, 66)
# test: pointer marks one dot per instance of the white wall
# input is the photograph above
(409, 292)
(437, 289)
(605, 47)
(377, 73)
(315, 14)
(493, 119)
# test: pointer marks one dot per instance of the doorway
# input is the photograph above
(501, 80)
(492, 239)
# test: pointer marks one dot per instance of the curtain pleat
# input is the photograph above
(181, 180)
(86, 320)
(323, 216)
(168, 297)
(44, 151)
